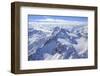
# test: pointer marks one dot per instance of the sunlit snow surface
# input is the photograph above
(52, 38)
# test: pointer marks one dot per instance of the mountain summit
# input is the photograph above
(62, 44)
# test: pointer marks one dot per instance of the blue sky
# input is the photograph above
(32, 18)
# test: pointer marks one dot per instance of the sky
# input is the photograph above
(33, 18)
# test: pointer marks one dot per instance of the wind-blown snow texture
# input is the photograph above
(52, 42)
